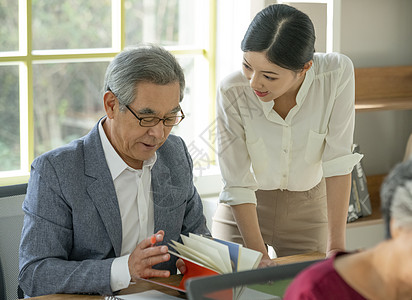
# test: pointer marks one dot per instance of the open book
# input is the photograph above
(205, 256)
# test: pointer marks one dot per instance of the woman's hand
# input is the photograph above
(267, 262)
(332, 252)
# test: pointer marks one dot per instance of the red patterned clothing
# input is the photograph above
(321, 281)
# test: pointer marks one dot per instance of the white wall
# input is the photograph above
(377, 33)
(360, 236)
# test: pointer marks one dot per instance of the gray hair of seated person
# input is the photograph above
(143, 63)
(396, 196)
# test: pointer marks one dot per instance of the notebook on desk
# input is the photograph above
(259, 284)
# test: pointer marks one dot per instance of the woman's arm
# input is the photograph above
(248, 224)
(338, 193)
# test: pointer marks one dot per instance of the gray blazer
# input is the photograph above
(72, 227)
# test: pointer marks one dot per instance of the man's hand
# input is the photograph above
(180, 265)
(146, 255)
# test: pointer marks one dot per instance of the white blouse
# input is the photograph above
(260, 150)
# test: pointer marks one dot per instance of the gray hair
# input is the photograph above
(144, 63)
(396, 196)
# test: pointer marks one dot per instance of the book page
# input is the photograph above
(195, 256)
(234, 252)
(249, 259)
(216, 251)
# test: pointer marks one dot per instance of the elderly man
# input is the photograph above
(95, 207)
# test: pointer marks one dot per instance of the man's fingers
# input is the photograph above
(161, 232)
(151, 240)
(181, 266)
(155, 273)
(143, 269)
(154, 260)
(154, 251)
(146, 255)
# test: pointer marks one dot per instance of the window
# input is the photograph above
(53, 56)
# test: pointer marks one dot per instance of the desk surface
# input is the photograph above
(299, 257)
(142, 285)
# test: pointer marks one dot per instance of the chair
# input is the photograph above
(2, 286)
(270, 282)
(11, 222)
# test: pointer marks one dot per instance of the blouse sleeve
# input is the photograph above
(234, 161)
(338, 158)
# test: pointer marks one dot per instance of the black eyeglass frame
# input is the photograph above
(157, 118)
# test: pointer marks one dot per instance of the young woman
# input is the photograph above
(382, 272)
(285, 133)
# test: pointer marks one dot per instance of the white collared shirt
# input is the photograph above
(260, 150)
(133, 190)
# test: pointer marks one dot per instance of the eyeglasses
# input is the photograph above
(153, 121)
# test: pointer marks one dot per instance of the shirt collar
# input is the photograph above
(115, 163)
(267, 106)
(304, 88)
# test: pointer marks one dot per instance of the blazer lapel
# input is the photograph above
(161, 188)
(101, 188)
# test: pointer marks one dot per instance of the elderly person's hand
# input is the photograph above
(181, 266)
(147, 254)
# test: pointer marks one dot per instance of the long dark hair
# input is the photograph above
(285, 33)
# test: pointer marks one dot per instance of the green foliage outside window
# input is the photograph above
(9, 116)
(74, 24)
